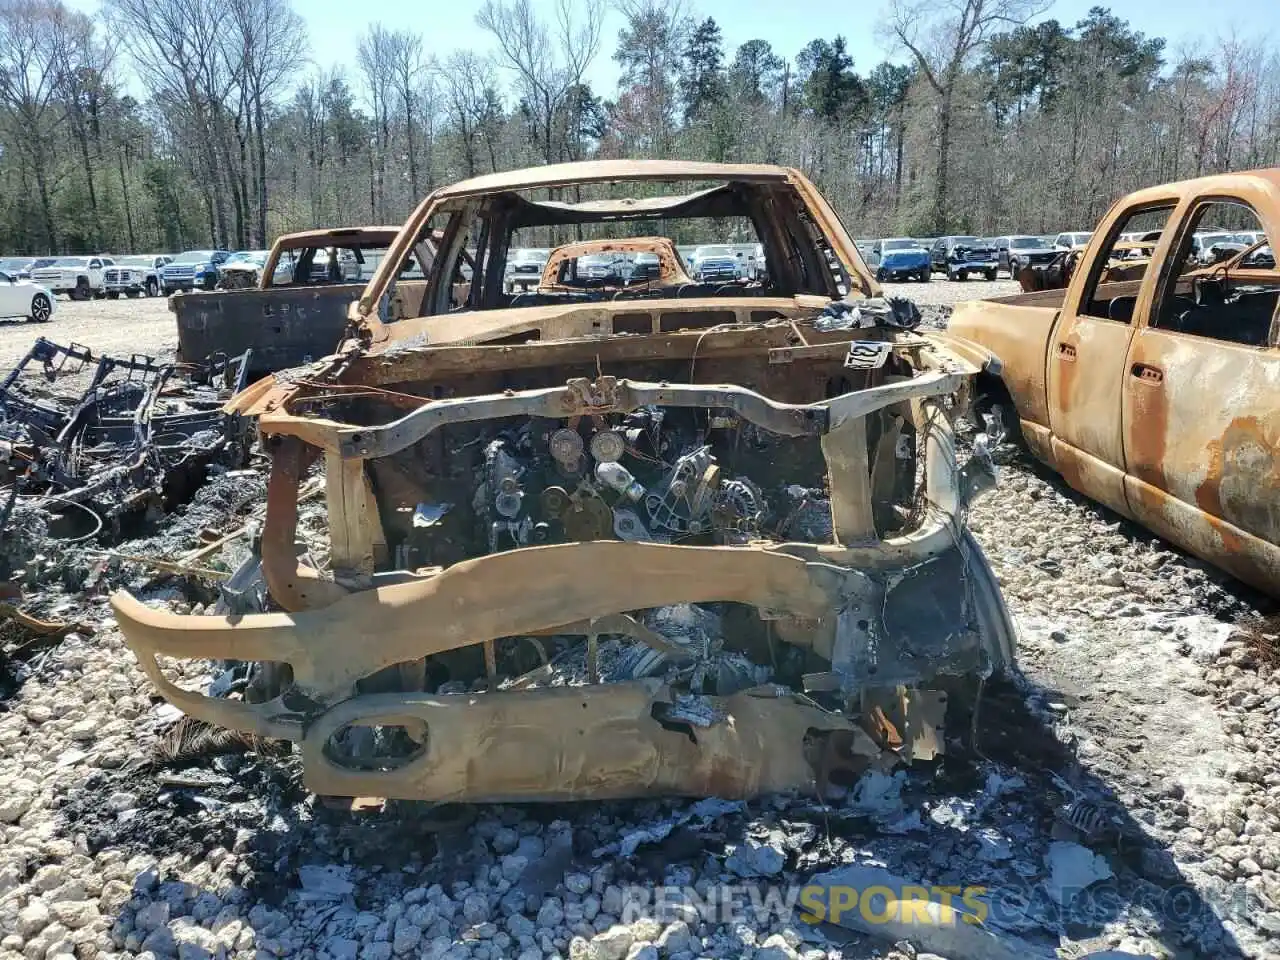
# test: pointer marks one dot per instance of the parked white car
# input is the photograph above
(78, 277)
(1211, 246)
(23, 298)
(134, 275)
(347, 269)
(1071, 241)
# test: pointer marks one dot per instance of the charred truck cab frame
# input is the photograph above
(570, 470)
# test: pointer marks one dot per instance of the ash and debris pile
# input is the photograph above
(113, 435)
(110, 467)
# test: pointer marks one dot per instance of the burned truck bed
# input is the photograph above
(702, 545)
(298, 311)
(282, 327)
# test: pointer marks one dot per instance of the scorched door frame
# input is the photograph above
(1202, 432)
(1085, 366)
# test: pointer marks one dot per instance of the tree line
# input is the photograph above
(168, 124)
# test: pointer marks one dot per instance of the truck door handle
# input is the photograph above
(1067, 352)
(1147, 373)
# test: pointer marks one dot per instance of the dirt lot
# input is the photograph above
(104, 326)
(146, 325)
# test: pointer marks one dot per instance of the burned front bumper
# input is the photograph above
(882, 616)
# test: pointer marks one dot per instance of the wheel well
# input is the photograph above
(990, 392)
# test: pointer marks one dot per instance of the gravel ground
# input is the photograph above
(1136, 749)
(940, 292)
(118, 327)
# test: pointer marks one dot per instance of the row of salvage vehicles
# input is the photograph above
(695, 538)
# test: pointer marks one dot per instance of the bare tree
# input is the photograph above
(176, 48)
(407, 68)
(272, 44)
(467, 78)
(376, 57)
(83, 87)
(31, 74)
(549, 61)
(944, 36)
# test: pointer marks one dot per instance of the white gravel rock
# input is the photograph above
(505, 841)
(152, 916)
(75, 913)
(407, 936)
(513, 866)
(776, 948)
(195, 942)
(87, 729)
(577, 883)
(33, 918)
(613, 943)
(550, 914)
(753, 859)
(16, 800)
(475, 908)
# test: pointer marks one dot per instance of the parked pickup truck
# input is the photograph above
(193, 270)
(134, 275)
(958, 257)
(298, 311)
(78, 277)
(1154, 386)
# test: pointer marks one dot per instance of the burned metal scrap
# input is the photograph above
(128, 431)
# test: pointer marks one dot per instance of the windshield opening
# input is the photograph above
(622, 241)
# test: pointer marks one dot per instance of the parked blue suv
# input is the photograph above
(900, 259)
(195, 268)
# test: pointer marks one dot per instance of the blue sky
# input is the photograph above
(336, 25)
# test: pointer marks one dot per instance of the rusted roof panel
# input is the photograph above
(356, 236)
(601, 171)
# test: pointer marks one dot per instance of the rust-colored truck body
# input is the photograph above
(534, 510)
(1157, 392)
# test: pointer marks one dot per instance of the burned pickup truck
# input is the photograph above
(610, 543)
(297, 311)
(1152, 383)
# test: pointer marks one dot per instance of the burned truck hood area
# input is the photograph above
(739, 569)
